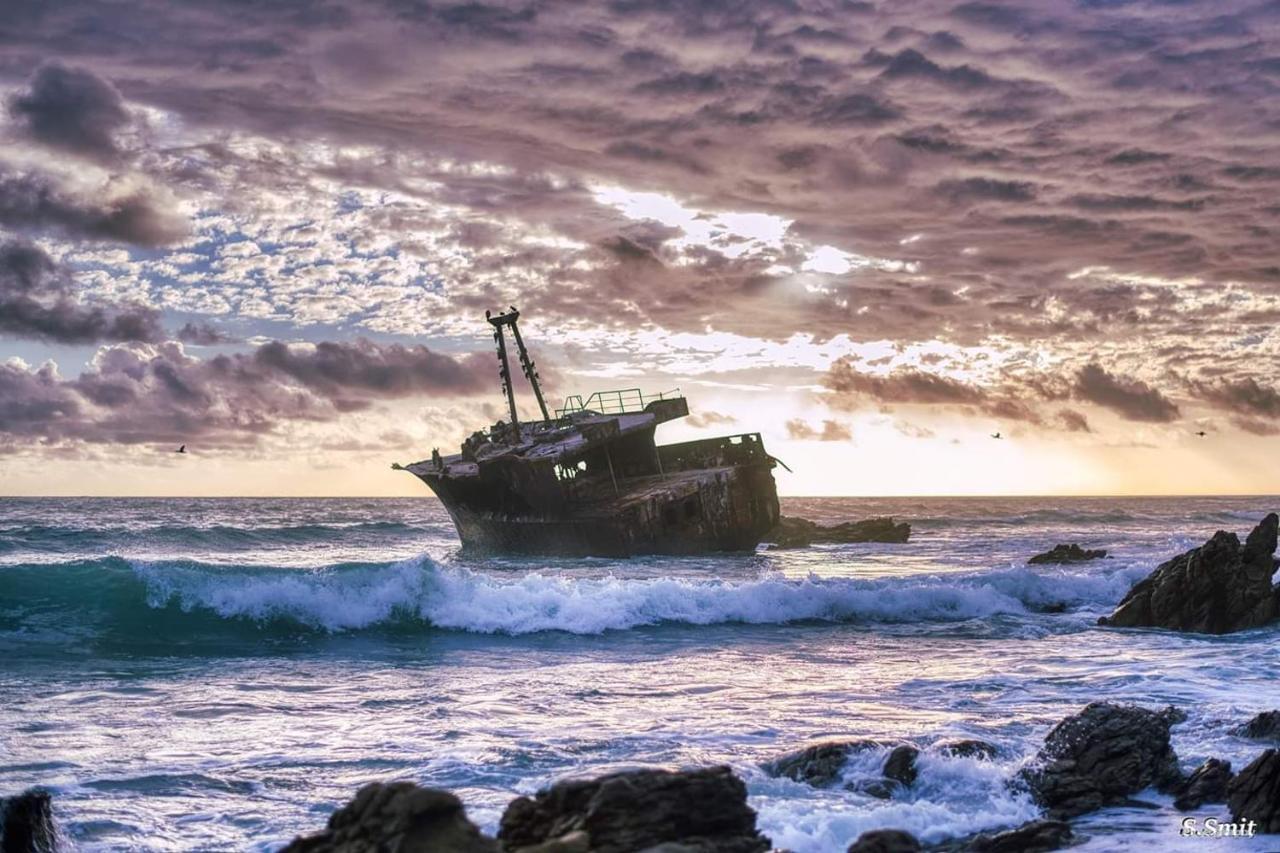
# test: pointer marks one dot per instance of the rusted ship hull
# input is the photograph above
(726, 509)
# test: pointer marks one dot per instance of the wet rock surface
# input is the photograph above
(792, 532)
(1101, 756)
(704, 810)
(968, 748)
(1072, 553)
(1220, 587)
(885, 841)
(1265, 726)
(399, 816)
(900, 766)
(1031, 837)
(821, 764)
(26, 823)
(1206, 784)
(1254, 794)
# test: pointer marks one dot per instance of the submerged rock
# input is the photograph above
(1254, 794)
(398, 816)
(968, 748)
(1206, 784)
(1102, 755)
(885, 841)
(1217, 588)
(26, 823)
(819, 765)
(704, 810)
(1265, 726)
(1072, 553)
(792, 532)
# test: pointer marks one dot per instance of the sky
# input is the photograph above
(878, 233)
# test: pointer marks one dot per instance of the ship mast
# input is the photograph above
(504, 368)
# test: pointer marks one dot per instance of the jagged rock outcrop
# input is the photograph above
(821, 764)
(1254, 794)
(968, 748)
(885, 841)
(398, 816)
(1265, 726)
(1072, 553)
(26, 823)
(792, 532)
(1101, 756)
(704, 810)
(1206, 784)
(1217, 588)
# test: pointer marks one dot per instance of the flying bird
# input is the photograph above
(1202, 433)
(182, 449)
(995, 435)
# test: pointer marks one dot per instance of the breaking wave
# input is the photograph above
(172, 597)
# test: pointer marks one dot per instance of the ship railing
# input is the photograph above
(726, 451)
(614, 402)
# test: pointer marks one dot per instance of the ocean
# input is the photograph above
(220, 674)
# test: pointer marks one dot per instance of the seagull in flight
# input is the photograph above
(182, 449)
(996, 435)
(1202, 433)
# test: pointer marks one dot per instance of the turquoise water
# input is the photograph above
(220, 674)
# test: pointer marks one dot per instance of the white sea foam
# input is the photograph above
(458, 598)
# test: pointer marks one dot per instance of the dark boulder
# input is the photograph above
(1254, 794)
(705, 810)
(819, 765)
(885, 841)
(1265, 726)
(26, 823)
(791, 532)
(968, 748)
(398, 816)
(1206, 784)
(1072, 553)
(1217, 588)
(1102, 755)
(900, 766)
(1036, 836)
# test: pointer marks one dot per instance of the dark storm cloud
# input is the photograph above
(1255, 407)
(1129, 398)
(72, 109)
(38, 300)
(32, 202)
(140, 395)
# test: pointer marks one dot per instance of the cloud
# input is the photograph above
(1130, 398)
(37, 300)
(800, 430)
(72, 109)
(204, 334)
(123, 209)
(708, 418)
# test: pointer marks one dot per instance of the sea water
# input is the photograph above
(220, 674)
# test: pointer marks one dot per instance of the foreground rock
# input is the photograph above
(704, 810)
(792, 532)
(820, 765)
(1033, 837)
(1255, 792)
(399, 816)
(1101, 756)
(26, 823)
(1265, 726)
(1217, 588)
(1072, 553)
(885, 841)
(1206, 784)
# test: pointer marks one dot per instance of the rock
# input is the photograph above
(1101, 756)
(1265, 726)
(1033, 837)
(1206, 784)
(1254, 794)
(968, 748)
(1072, 553)
(885, 841)
(704, 810)
(819, 765)
(1217, 588)
(791, 532)
(900, 766)
(881, 789)
(26, 823)
(398, 816)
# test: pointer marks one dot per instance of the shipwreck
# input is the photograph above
(590, 479)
